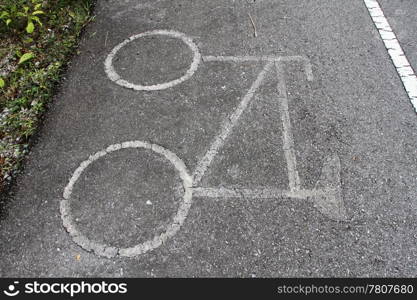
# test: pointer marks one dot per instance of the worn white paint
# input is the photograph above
(158, 240)
(326, 196)
(228, 126)
(395, 51)
(112, 74)
(287, 136)
(330, 203)
(266, 58)
(243, 58)
(254, 193)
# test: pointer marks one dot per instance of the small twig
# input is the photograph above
(105, 40)
(255, 34)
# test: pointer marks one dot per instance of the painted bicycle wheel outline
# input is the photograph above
(158, 240)
(114, 76)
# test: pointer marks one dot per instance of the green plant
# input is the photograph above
(20, 14)
(25, 57)
(32, 64)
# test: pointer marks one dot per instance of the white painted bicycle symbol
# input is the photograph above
(326, 195)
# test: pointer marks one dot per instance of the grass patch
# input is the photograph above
(37, 38)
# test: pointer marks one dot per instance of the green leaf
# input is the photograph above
(26, 57)
(28, 40)
(30, 27)
(4, 14)
(36, 19)
(8, 21)
(38, 12)
(37, 6)
(2, 83)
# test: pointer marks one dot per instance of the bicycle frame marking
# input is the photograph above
(326, 195)
(228, 126)
(230, 123)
